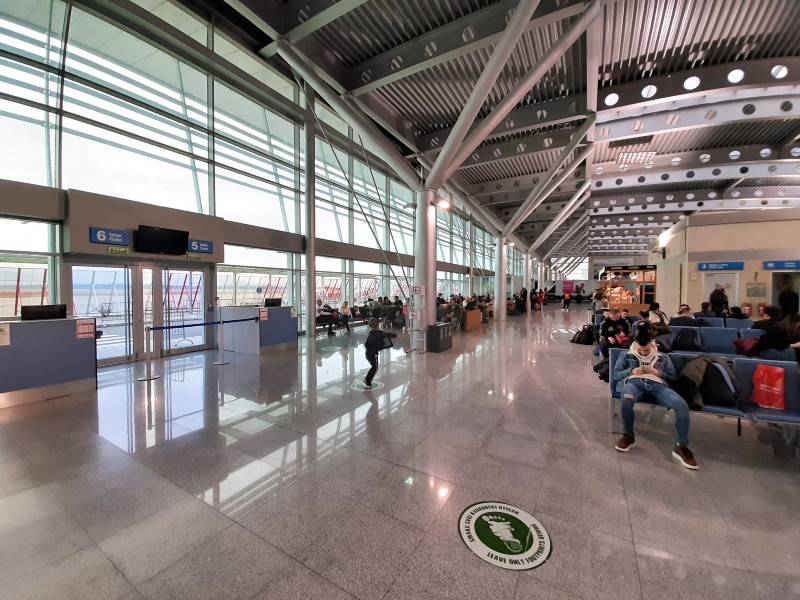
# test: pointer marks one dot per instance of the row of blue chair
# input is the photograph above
(716, 340)
(743, 369)
(729, 323)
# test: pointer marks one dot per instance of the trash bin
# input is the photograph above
(440, 337)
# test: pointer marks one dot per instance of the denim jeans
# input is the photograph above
(636, 390)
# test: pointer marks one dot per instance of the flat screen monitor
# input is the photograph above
(159, 240)
(44, 311)
(272, 302)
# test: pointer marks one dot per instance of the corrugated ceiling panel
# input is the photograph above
(433, 99)
(642, 38)
(380, 25)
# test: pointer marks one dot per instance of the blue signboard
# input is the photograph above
(112, 237)
(202, 246)
(721, 266)
(782, 264)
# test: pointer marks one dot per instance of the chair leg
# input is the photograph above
(611, 415)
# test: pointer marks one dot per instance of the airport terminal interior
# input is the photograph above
(195, 193)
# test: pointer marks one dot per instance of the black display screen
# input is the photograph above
(158, 240)
(42, 312)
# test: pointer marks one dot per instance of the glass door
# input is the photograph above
(184, 302)
(105, 294)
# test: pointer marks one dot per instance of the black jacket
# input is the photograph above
(609, 328)
(719, 302)
(374, 342)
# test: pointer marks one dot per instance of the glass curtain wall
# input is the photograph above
(87, 105)
(28, 256)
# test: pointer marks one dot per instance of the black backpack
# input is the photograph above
(717, 389)
(584, 336)
(686, 339)
(602, 369)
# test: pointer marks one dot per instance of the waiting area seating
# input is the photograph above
(743, 369)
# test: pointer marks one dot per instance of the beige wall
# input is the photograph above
(752, 243)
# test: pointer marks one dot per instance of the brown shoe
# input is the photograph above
(683, 455)
(625, 443)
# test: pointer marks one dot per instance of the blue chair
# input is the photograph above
(699, 315)
(745, 368)
(739, 323)
(714, 321)
(719, 340)
(634, 319)
(749, 334)
(675, 329)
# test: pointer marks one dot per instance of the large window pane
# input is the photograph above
(103, 162)
(246, 200)
(33, 29)
(27, 146)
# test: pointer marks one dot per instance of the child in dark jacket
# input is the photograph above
(376, 341)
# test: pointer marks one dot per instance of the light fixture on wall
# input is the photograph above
(443, 203)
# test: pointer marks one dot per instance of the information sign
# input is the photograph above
(202, 246)
(418, 290)
(781, 264)
(113, 237)
(263, 314)
(721, 266)
(84, 329)
(5, 334)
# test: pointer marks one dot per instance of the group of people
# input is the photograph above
(382, 308)
(457, 304)
(644, 373)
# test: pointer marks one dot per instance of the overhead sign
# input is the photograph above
(631, 268)
(781, 264)
(418, 290)
(112, 237)
(202, 246)
(504, 536)
(721, 266)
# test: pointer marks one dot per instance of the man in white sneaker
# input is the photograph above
(643, 373)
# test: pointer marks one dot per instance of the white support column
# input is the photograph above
(471, 257)
(425, 255)
(500, 280)
(311, 224)
(526, 279)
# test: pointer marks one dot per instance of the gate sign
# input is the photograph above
(781, 264)
(721, 266)
(113, 237)
(203, 246)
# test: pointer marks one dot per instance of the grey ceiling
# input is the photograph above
(412, 64)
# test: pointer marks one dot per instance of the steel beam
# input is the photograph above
(539, 143)
(304, 17)
(535, 116)
(523, 87)
(538, 195)
(576, 227)
(575, 202)
(360, 124)
(463, 36)
(266, 15)
(442, 166)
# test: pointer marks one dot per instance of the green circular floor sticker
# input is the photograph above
(504, 535)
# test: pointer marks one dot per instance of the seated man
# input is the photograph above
(624, 315)
(324, 316)
(685, 318)
(453, 314)
(614, 332)
(705, 310)
(643, 373)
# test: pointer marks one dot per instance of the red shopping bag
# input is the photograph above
(768, 387)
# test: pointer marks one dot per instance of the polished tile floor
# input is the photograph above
(274, 478)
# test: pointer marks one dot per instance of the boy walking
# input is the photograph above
(377, 340)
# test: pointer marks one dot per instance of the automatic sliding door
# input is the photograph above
(105, 293)
(184, 293)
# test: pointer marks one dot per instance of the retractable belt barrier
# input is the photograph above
(221, 339)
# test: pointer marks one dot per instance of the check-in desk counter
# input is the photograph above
(278, 331)
(46, 359)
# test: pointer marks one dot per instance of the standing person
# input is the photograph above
(719, 301)
(788, 300)
(523, 293)
(567, 299)
(376, 341)
(541, 299)
(643, 373)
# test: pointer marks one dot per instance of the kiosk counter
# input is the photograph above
(275, 329)
(46, 359)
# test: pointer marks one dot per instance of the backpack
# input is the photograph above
(602, 369)
(717, 389)
(585, 336)
(686, 339)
